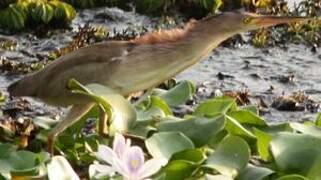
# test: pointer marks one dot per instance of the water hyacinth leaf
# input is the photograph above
(156, 108)
(5, 150)
(318, 120)
(251, 108)
(165, 144)
(235, 128)
(215, 106)
(306, 129)
(59, 168)
(263, 144)
(247, 117)
(179, 169)
(198, 129)
(292, 177)
(42, 12)
(297, 153)
(254, 173)
(179, 94)
(191, 155)
(276, 128)
(63, 11)
(121, 113)
(230, 157)
(25, 163)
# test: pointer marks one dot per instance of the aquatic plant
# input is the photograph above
(126, 160)
(199, 145)
(20, 14)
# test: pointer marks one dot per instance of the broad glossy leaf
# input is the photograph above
(215, 106)
(157, 108)
(230, 157)
(121, 113)
(297, 153)
(263, 144)
(5, 150)
(276, 128)
(307, 129)
(198, 129)
(59, 168)
(179, 169)
(235, 128)
(191, 155)
(251, 108)
(254, 173)
(247, 117)
(179, 94)
(292, 177)
(165, 144)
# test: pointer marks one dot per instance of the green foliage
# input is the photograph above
(219, 140)
(21, 14)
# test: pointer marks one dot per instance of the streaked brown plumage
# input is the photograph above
(131, 66)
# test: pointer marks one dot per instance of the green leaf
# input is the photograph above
(297, 153)
(179, 169)
(235, 128)
(120, 112)
(318, 120)
(292, 177)
(165, 144)
(230, 157)
(190, 155)
(263, 144)
(183, 91)
(215, 106)
(247, 117)
(198, 129)
(306, 129)
(254, 173)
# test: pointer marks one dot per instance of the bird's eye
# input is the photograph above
(247, 20)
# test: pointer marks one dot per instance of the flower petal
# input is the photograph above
(151, 167)
(119, 145)
(134, 159)
(100, 169)
(121, 168)
(105, 154)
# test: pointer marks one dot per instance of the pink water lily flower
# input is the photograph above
(125, 160)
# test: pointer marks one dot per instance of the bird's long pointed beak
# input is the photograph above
(266, 21)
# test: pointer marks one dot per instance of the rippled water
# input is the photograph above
(246, 67)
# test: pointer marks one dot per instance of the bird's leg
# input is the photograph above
(103, 120)
(75, 113)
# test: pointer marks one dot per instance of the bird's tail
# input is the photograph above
(23, 87)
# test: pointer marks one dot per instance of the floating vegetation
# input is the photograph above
(298, 101)
(24, 13)
(204, 140)
(86, 35)
(20, 67)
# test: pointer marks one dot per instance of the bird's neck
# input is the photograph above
(197, 44)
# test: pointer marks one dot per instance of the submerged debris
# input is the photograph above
(296, 102)
(241, 97)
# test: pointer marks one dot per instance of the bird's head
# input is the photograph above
(236, 22)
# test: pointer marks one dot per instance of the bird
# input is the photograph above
(135, 65)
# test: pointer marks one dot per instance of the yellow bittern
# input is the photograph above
(135, 65)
